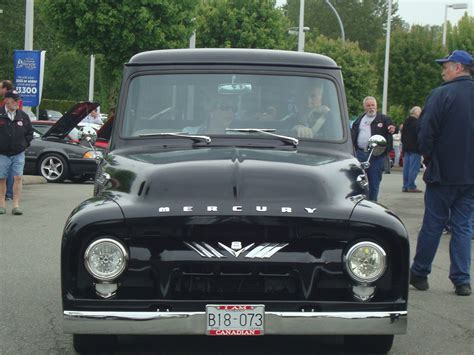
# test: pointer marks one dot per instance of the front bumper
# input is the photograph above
(193, 323)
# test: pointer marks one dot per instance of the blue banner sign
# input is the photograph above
(27, 76)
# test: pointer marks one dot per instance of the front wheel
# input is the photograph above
(53, 167)
(87, 343)
(368, 343)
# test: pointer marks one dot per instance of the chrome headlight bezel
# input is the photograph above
(357, 277)
(116, 273)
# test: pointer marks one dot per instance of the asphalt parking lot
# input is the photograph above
(30, 302)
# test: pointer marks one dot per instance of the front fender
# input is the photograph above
(93, 218)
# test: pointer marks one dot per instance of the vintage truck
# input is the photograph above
(230, 203)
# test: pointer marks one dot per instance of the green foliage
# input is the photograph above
(241, 24)
(397, 113)
(118, 29)
(57, 105)
(73, 68)
(462, 35)
(413, 72)
(359, 74)
(363, 21)
(12, 34)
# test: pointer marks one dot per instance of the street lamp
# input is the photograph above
(301, 28)
(295, 31)
(343, 36)
(192, 39)
(387, 59)
(458, 6)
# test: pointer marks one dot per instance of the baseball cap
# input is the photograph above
(458, 56)
(13, 94)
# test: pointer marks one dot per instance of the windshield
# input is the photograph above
(211, 104)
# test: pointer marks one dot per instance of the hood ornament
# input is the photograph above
(261, 251)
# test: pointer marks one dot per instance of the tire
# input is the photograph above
(368, 343)
(92, 344)
(53, 167)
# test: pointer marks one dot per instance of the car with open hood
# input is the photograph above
(230, 203)
(55, 156)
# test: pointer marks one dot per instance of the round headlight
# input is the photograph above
(105, 259)
(365, 262)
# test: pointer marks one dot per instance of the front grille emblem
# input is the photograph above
(261, 251)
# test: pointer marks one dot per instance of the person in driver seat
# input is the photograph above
(221, 115)
(315, 115)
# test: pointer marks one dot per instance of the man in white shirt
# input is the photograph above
(368, 124)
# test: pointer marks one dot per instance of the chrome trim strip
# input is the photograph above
(212, 250)
(274, 250)
(195, 249)
(255, 251)
(203, 250)
(187, 323)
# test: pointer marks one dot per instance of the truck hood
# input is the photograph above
(233, 181)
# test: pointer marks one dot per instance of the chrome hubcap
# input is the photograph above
(52, 168)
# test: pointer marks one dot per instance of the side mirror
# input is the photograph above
(376, 146)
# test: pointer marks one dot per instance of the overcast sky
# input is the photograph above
(426, 12)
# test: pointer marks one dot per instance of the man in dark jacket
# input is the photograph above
(5, 86)
(411, 157)
(16, 134)
(445, 138)
(368, 124)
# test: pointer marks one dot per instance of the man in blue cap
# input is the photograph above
(445, 138)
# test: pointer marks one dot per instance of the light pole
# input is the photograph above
(301, 28)
(295, 31)
(458, 6)
(192, 39)
(387, 59)
(91, 78)
(343, 36)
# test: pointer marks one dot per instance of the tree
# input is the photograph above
(12, 34)
(363, 21)
(413, 72)
(241, 24)
(359, 74)
(118, 29)
(462, 35)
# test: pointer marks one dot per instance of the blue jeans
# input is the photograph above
(411, 167)
(10, 182)
(442, 203)
(374, 172)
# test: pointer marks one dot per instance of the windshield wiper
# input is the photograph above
(195, 138)
(267, 131)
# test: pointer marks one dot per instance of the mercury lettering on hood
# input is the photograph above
(263, 209)
(233, 181)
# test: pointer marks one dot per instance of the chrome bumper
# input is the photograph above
(194, 323)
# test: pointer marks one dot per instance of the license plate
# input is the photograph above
(228, 320)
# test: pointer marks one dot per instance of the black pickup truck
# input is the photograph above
(230, 203)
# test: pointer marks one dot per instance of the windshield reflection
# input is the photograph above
(211, 104)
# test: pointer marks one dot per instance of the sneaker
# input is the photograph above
(17, 211)
(3, 210)
(419, 282)
(414, 190)
(462, 290)
(404, 189)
